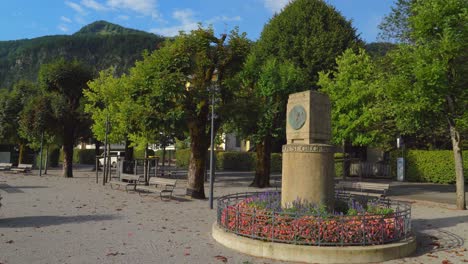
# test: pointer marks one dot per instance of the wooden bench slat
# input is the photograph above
(363, 188)
(159, 185)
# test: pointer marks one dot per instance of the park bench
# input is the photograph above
(362, 188)
(163, 186)
(22, 168)
(127, 180)
(5, 166)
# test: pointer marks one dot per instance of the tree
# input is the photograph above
(65, 81)
(305, 37)
(356, 92)
(173, 85)
(11, 105)
(395, 26)
(428, 80)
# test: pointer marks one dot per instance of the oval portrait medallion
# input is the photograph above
(297, 117)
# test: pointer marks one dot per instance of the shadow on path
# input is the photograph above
(17, 189)
(432, 237)
(50, 220)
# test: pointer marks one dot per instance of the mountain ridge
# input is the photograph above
(100, 44)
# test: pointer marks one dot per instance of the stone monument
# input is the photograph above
(308, 164)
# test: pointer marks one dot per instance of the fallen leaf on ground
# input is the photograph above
(446, 262)
(222, 258)
(114, 253)
(433, 256)
(435, 244)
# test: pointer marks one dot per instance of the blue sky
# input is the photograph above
(21, 19)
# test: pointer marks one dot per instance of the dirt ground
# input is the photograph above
(56, 220)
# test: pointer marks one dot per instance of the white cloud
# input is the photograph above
(76, 7)
(63, 28)
(146, 7)
(94, 5)
(275, 6)
(123, 17)
(65, 19)
(223, 19)
(187, 23)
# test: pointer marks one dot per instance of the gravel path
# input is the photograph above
(57, 220)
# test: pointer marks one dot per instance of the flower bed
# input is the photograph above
(355, 222)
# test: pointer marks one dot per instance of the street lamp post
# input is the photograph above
(401, 160)
(212, 174)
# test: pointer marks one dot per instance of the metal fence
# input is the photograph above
(302, 229)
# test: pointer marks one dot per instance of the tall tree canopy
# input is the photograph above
(356, 93)
(428, 80)
(169, 92)
(294, 46)
(65, 81)
(421, 85)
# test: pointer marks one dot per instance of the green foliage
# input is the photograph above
(82, 156)
(379, 49)
(182, 158)
(436, 166)
(105, 28)
(11, 105)
(276, 162)
(425, 83)
(356, 92)
(140, 153)
(86, 156)
(54, 155)
(395, 26)
(310, 34)
(104, 100)
(239, 161)
(101, 47)
(234, 161)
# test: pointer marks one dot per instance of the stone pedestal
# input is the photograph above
(308, 164)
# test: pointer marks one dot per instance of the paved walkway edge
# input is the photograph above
(314, 254)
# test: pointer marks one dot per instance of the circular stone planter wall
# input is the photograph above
(314, 254)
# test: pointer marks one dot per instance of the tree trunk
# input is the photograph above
(21, 154)
(457, 154)
(197, 163)
(145, 166)
(47, 160)
(68, 154)
(128, 150)
(262, 169)
(460, 179)
(97, 153)
(164, 156)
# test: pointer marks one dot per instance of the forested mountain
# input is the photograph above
(100, 45)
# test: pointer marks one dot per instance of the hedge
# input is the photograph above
(54, 155)
(436, 166)
(82, 156)
(230, 160)
(239, 161)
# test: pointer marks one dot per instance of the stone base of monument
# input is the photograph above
(314, 254)
(308, 174)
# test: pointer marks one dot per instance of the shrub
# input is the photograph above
(81, 156)
(239, 161)
(86, 156)
(140, 154)
(54, 153)
(276, 162)
(230, 160)
(435, 166)
(182, 158)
